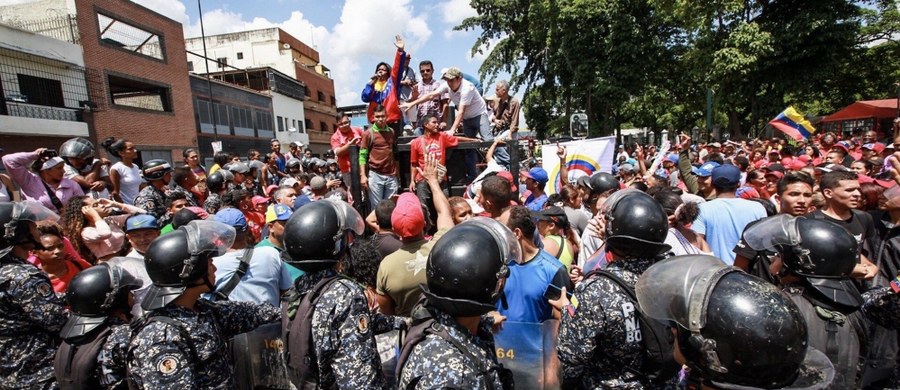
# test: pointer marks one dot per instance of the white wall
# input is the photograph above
(292, 110)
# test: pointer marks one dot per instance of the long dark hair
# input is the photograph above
(73, 222)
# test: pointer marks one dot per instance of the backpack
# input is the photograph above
(297, 334)
(657, 342)
(422, 329)
(75, 364)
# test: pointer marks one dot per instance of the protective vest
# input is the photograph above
(840, 336)
(302, 369)
(418, 333)
(75, 364)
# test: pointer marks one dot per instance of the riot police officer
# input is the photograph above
(31, 315)
(95, 339)
(817, 258)
(733, 330)
(181, 341)
(599, 341)
(451, 344)
(326, 324)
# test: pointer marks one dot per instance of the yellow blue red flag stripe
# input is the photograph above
(793, 124)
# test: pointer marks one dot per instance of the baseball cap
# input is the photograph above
(673, 158)
(257, 200)
(726, 175)
(626, 168)
(508, 176)
(238, 167)
(553, 214)
(451, 73)
(270, 189)
(537, 174)
(317, 183)
(52, 162)
(407, 220)
(290, 182)
(140, 221)
(278, 212)
(706, 169)
(877, 147)
(825, 168)
(843, 145)
(715, 145)
(296, 144)
(777, 174)
(231, 217)
(775, 167)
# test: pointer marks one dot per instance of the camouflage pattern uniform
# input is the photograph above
(213, 203)
(153, 201)
(436, 363)
(31, 316)
(160, 358)
(112, 357)
(343, 338)
(595, 341)
(882, 306)
(189, 196)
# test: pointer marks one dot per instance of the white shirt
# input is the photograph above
(129, 181)
(467, 96)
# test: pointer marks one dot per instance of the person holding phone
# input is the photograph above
(48, 185)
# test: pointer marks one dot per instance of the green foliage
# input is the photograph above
(650, 62)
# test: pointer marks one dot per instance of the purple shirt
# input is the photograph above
(32, 186)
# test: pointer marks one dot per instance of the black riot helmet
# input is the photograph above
(820, 252)
(94, 294)
(16, 219)
(467, 267)
(177, 260)
(76, 147)
(733, 329)
(218, 180)
(156, 169)
(636, 225)
(602, 182)
(319, 234)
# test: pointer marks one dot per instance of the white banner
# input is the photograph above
(583, 157)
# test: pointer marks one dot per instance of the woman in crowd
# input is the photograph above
(192, 160)
(124, 175)
(681, 238)
(96, 234)
(57, 258)
(756, 179)
(862, 167)
(220, 159)
(558, 238)
(572, 205)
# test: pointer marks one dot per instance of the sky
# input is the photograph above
(351, 36)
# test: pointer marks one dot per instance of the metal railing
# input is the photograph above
(64, 28)
(43, 112)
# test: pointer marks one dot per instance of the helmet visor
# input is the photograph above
(206, 235)
(770, 233)
(348, 216)
(677, 289)
(505, 238)
(33, 211)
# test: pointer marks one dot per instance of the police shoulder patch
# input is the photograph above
(168, 364)
(44, 289)
(362, 323)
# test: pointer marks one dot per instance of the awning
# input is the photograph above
(884, 108)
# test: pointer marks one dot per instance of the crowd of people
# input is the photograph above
(761, 263)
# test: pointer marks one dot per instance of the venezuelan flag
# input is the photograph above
(793, 124)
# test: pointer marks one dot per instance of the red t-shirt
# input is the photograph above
(338, 139)
(430, 144)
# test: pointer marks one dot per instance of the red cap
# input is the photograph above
(257, 200)
(508, 176)
(777, 174)
(407, 220)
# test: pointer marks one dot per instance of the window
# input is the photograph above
(147, 155)
(116, 33)
(222, 62)
(309, 125)
(242, 122)
(280, 125)
(264, 127)
(321, 96)
(287, 124)
(240, 55)
(202, 107)
(323, 126)
(138, 94)
(222, 126)
(190, 66)
(294, 124)
(333, 101)
(307, 91)
(41, 91)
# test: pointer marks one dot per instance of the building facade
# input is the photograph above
(135, 66)
(274, 48)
